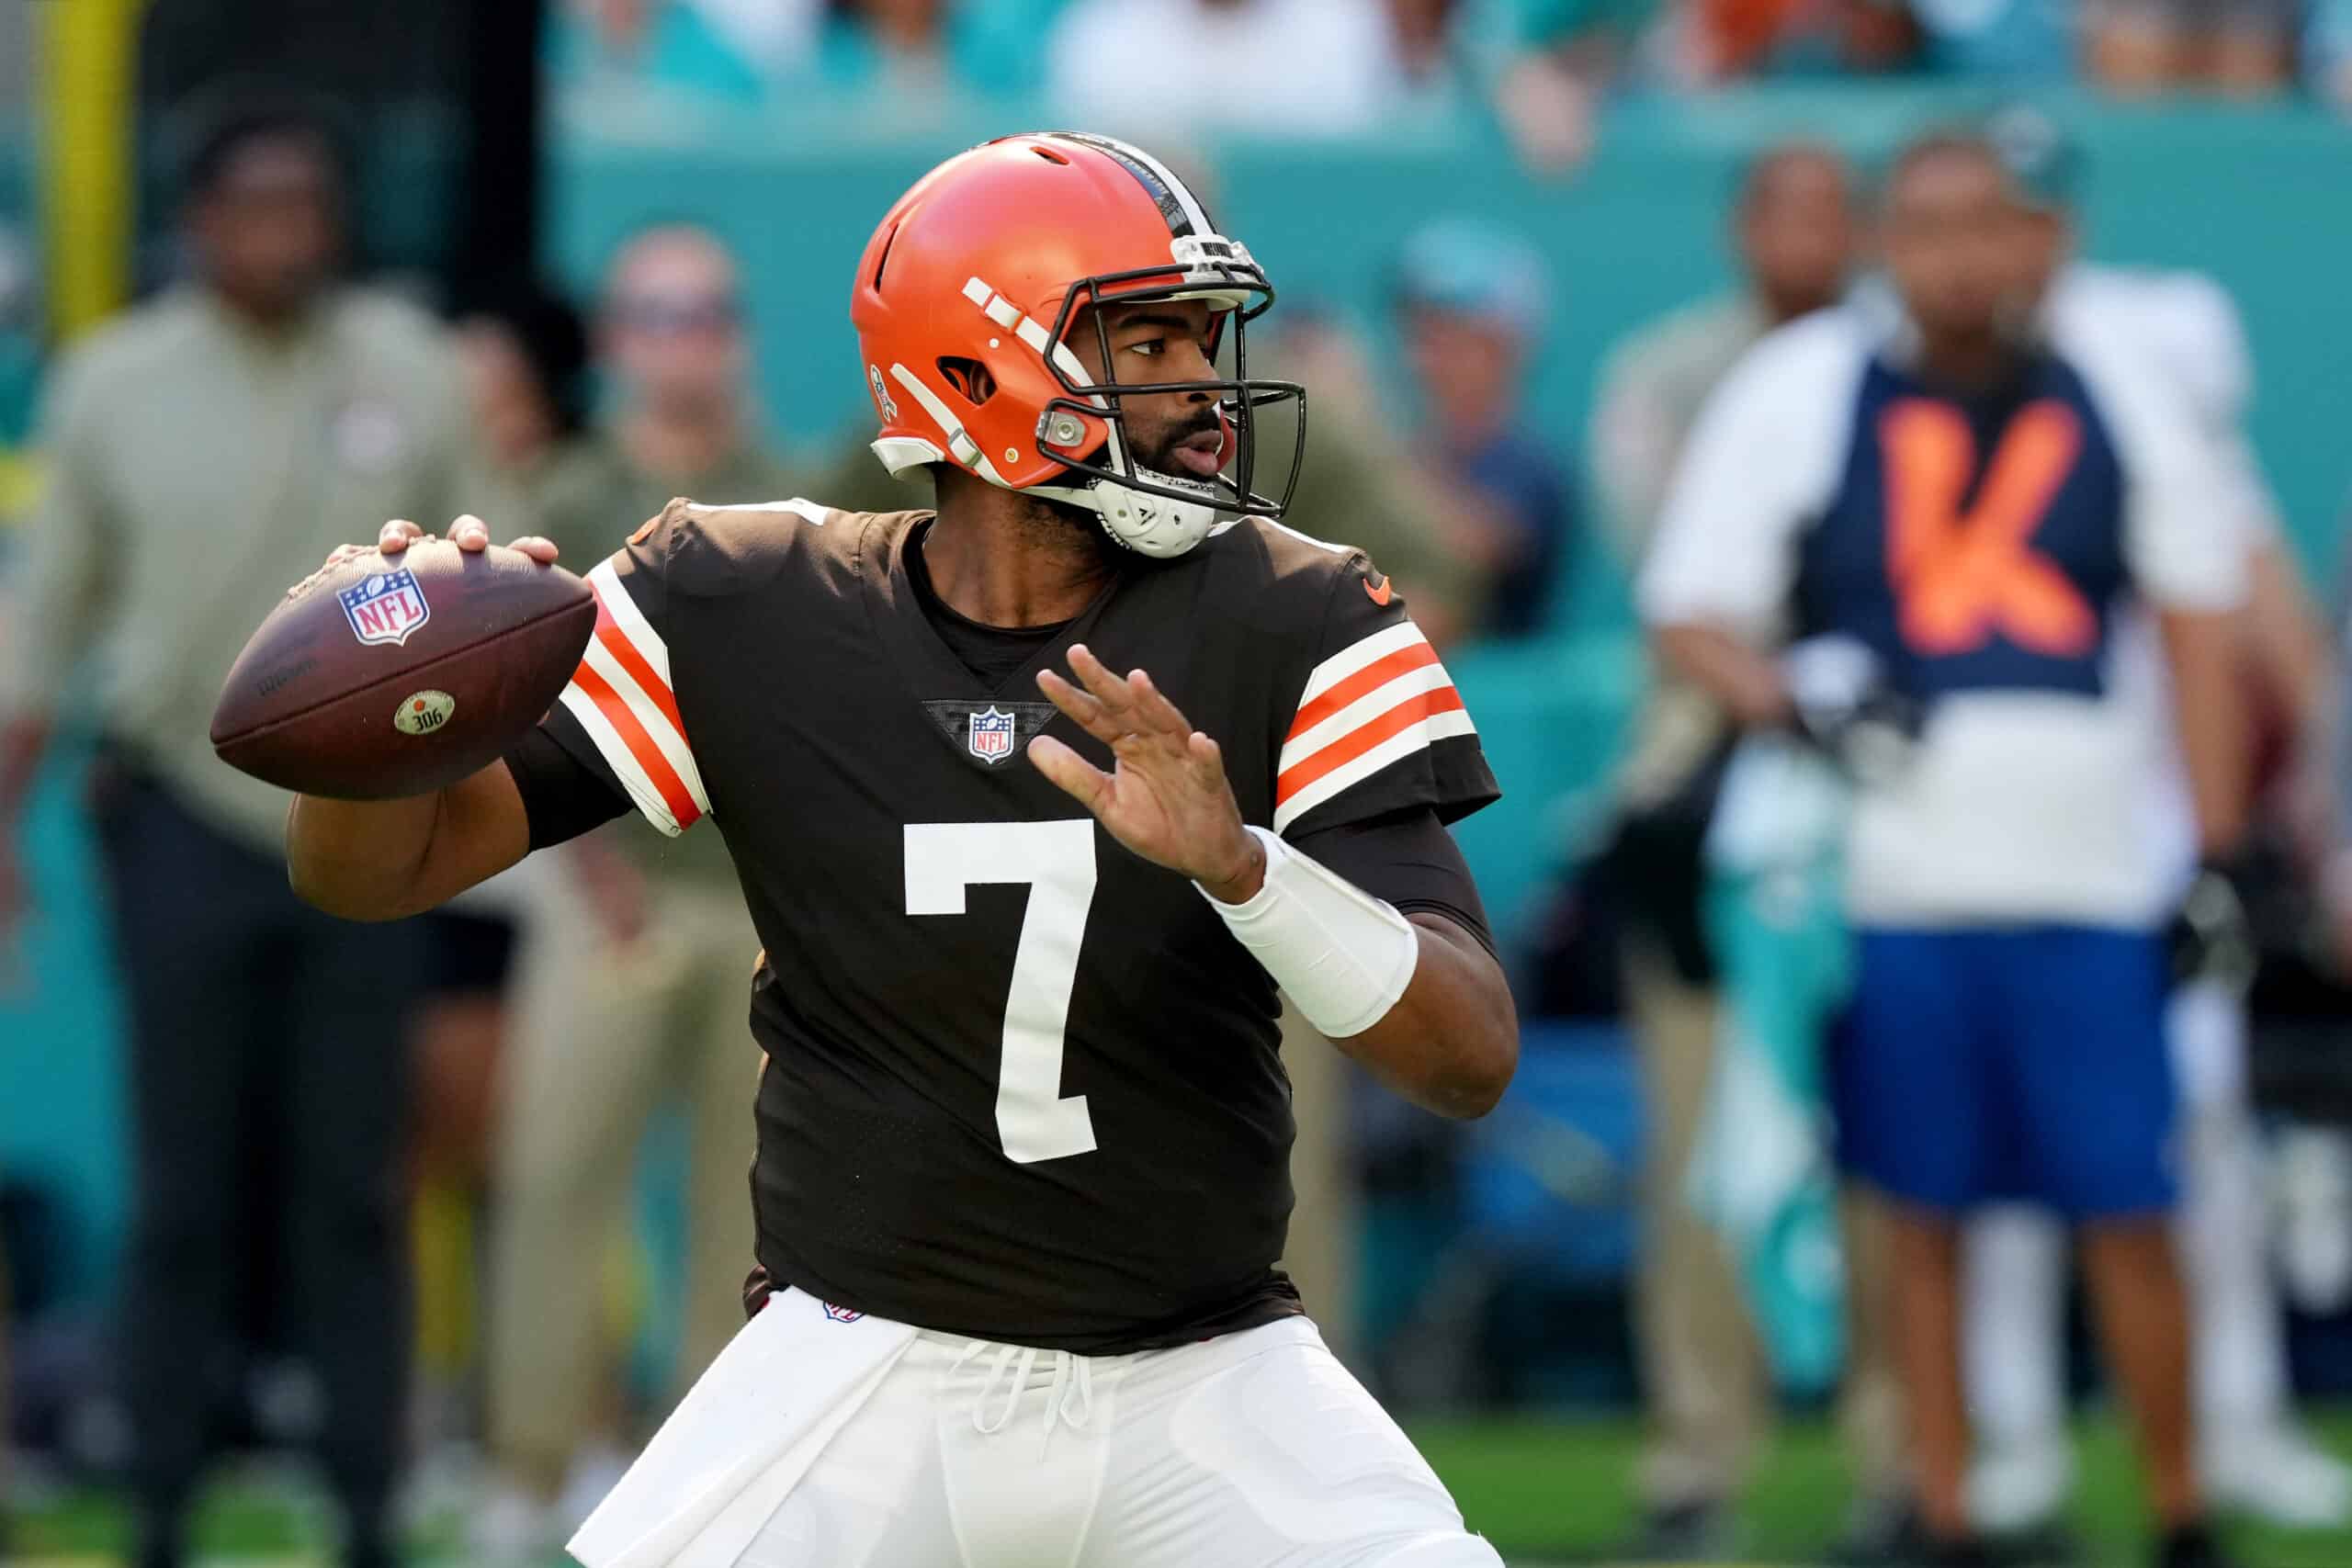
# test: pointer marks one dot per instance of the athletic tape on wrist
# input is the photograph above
(1343, 956)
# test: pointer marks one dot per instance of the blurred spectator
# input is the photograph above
(1568, 51)
(1798, 236)
(1572, 51)
(1444, 60)
(2018, 42)
(915, 52)
(714, 48)
(2240, 47)
(205, 450)
(1721, 41)
(676, 354)
(1361, 487)
(1471, 299)
(888, 46)
(1311, 67)
(2255, 1457)
(631, 994)
(1939, 502)
(2327, 53)
(526, 353)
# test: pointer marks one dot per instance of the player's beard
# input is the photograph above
(1055, 525)
(1158, 456)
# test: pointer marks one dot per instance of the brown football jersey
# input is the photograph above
(1022, 1084)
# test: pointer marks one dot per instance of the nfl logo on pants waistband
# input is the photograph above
(842, 1314)
(990, 736)
(386, 607)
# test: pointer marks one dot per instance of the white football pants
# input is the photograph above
(2016, 1265)
(1256, 1449)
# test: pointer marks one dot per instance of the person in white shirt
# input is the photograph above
(1178, 67)
(2254, 1455)
(1992, 515)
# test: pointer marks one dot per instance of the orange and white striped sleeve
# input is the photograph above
(1379, 727)
(626, 705)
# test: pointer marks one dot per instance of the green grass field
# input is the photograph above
(1544, 1492)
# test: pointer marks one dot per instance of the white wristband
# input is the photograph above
(1343, 956)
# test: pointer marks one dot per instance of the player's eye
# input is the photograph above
(1149, 346)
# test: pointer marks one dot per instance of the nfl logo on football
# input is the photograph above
(386, 607)
(991, 734)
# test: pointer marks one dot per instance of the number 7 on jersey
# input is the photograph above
(1034, 1120)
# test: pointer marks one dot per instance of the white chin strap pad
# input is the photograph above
(1343, 956)
(1152, 524)
(1156, 525)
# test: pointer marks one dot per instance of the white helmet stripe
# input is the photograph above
(1193, 211)
(1195, 215)
(957, 441)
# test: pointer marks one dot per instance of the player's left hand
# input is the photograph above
(1166, 797)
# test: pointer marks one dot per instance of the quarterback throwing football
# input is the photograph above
(1036, 800)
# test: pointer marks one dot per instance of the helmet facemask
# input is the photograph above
(1086, 429)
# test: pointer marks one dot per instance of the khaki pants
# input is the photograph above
(1707, 1386)
(1320, 1253)
(603, 1037)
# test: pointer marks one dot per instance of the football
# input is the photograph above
(386, 676)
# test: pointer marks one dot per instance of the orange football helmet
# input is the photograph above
(987, 263)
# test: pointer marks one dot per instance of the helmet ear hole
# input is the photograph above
(972, 380)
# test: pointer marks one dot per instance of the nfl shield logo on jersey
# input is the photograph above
(992, 734)
(386, 607)
(842, 1314)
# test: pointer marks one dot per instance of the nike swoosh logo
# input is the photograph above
(1378, 593)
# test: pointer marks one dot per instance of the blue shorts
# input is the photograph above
(2014, 1064)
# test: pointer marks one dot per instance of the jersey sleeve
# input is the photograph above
(1409, 859)
(620, 714)
(1379, 726)
(562, 796)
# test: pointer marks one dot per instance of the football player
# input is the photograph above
(1036, 800)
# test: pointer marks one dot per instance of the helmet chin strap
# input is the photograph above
(1156, 525)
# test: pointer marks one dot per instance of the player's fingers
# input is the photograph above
(396, 535)
(1105, 687)
(1154, 710)
(540, 550)
(471, 533)
(1078, 778)
(1080, 706)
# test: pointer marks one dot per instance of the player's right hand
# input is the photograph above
(467, 533)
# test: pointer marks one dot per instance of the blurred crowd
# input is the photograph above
(1349, 67)
(352, 1143)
